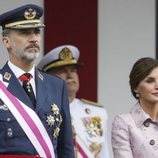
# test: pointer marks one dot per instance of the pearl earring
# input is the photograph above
(137, 95)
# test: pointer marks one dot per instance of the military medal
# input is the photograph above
(56, 132)
(28, 86)
(96, 148)
(55, 120)
(94, 129)
(55, 109)
(93, 126)
(50, 120)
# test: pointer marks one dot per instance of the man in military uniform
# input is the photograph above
(34, 110)
(89, 119)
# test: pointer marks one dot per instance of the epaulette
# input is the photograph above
(91, 102)
(42, 71)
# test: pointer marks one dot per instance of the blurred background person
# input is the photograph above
(89, 119)
(134, 134)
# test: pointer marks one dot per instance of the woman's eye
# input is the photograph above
(150, 80)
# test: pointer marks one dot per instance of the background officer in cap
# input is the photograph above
(48, 101)
(89, 119)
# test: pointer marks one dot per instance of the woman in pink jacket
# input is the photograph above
(135, 134)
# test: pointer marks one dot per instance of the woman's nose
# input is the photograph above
(156, 84)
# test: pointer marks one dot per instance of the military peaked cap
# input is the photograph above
(60, 56)
(27, 16)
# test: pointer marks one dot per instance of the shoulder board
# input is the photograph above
(91, 102)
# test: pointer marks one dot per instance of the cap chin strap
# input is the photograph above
(59, 63)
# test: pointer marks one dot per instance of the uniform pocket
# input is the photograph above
(7, 129)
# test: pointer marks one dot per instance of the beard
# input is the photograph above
(29, 57)
(28, 54)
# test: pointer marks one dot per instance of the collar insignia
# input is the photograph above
(7, 76)
(40, 76)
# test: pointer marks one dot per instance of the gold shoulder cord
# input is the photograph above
(91, 102)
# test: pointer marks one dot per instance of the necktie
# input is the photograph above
(25, 78)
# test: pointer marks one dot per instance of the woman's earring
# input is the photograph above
(137, 95)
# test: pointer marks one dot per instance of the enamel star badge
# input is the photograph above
(55, 109)
(50, 120)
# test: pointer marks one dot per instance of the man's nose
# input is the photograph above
(33, 37)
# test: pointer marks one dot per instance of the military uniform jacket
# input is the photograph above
(90, 125)
(49, 90)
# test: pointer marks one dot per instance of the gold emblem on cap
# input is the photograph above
(30, 14)
(65, 54)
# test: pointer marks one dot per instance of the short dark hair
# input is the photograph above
(5, 32)
(141, 69)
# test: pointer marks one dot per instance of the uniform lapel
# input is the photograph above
(14, 86)
(41, 95)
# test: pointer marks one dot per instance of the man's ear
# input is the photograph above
(6, 42)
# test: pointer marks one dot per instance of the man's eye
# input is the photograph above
(74, 70)
(22, 31)
(37, 31)
(62, 71)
